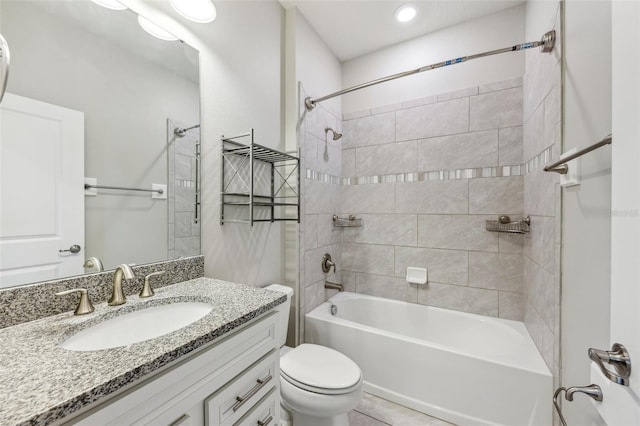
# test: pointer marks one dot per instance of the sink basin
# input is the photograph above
(137, 326)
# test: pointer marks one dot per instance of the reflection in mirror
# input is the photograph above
(93, 97)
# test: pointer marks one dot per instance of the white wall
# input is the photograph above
(586, 220)
(89, 73)
(495, 31)
(318, 71)
(240, 85)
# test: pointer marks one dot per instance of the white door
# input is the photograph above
(41, 191)
(621, 404)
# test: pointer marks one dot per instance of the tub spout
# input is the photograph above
(333, 286)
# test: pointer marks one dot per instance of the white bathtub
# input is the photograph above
(464, 368)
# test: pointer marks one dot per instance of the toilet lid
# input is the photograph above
(320, 368)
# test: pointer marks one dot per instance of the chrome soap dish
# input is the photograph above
(345, 222)
(504, 224)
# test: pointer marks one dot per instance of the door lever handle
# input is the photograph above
(73, 249)
(618, 357)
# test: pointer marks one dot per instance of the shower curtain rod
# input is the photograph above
(546, 43)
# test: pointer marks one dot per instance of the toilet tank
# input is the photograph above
(283, 312)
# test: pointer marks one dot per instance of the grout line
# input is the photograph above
(371, 417)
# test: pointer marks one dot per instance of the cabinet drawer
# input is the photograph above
(238, 397)
(265, 413)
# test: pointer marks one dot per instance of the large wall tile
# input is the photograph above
(456, 232)
(496, 109)
(348, 163)
(496, 195)
(370, 130)
(468, 150)
(511, 306)
(390, 229)
(498, 271)
(433, 197)
(375, 198)
(329, 158)
(539, 191)
(442, 118)
(327, 233)
(500, 85)
(462, 93)
(387, 287)
(367, 258)
(533, 135)
(321, 197)
(510, 146)
(511, 243)
(459, 298)
(312, 263)
(420, 101)
(386, 159)
(443, 266)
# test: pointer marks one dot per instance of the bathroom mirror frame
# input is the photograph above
(125, 223)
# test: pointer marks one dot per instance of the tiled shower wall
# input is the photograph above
(424, 176)
(183, 229)
(320, 162)
(542, 144)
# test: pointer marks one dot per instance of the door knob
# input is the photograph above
(73, 249)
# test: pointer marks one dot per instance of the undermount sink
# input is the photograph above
(137, 326)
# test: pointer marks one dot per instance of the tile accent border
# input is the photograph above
(35, 301)
(474, 173)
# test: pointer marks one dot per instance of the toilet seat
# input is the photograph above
(320, 369)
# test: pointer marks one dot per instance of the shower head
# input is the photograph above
(181, 131)
(336, 135)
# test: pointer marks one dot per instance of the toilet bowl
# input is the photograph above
(318, 385)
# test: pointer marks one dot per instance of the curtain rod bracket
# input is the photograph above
(548, 41)
(309, 103)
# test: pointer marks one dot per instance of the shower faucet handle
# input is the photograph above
(327, 264)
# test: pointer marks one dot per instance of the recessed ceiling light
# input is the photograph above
(155, 30)
(201, 11)
(406, 13)
(110, 4)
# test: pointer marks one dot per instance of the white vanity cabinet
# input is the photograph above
(231, 381)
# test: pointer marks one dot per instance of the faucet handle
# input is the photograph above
(84, 306)
(147, 291)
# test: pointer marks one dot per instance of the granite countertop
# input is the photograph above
(40, 382)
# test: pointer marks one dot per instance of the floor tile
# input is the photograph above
(393, 414)
(359, 419)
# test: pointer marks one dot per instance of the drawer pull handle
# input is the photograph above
(242, 399)
(265, 422)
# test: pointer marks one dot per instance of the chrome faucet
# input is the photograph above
(117, 297)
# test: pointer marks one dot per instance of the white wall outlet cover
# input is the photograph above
(90, 192)
(572, 177)
(156, 195)
(416, 275)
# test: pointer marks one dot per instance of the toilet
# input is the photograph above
(318, 385)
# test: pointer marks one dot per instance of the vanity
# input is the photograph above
(222, 369)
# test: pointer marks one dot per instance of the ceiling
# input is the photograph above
(352, 28)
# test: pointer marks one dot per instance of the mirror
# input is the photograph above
(79, 70)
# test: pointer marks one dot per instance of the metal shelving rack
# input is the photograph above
(283, 166)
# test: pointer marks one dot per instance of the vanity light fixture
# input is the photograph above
(110, 4)
(406, 13)
(155, 30)
(201, 11)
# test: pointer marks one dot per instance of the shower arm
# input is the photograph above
(546, 44)
(5, 57)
